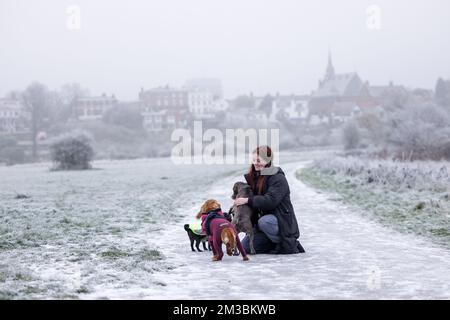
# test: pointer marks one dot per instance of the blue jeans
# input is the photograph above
(266, 235)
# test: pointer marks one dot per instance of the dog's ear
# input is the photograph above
(248, 190)
(235, 190)
(214, 205)
(210, 204)
(202, 209)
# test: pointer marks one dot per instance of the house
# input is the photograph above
(11, 110)
(165, 119)
(160, 120)
(221, 105)
(291, 107)
(93, 108)
(164, 98)
(201, 104)
(166, 108)
(380, 92)
(247, 118)
(318, 119)
(341, 112)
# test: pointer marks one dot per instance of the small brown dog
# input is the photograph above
(207, 206)
(219, 230)
(231, 240)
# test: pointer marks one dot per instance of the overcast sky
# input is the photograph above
(251, 45)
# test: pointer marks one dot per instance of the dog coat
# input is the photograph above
(196, 228)
(208, 217)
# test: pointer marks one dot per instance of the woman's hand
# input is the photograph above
(240, 201)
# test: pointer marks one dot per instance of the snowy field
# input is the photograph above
(411, 197)
(117, 233)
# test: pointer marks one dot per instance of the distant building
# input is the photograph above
(340, 97)
(204, 106)
(221, 105)
(93, 108)
(164, 108)
(380, 92)
(247, 118)
(269, 110)
(201, 104)
(11, 110)
(339, 112)
(164, 98)
(340, 85)
(154, 120)
(344, 111)
(292, 107)
(161, 120)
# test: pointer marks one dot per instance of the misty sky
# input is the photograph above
(252, 45)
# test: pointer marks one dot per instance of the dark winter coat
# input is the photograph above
(275, 199)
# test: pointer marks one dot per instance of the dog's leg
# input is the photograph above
(204, 245)
(210, 244)
(197, 245)
(236, 250)
(252, 248)
(192, 244)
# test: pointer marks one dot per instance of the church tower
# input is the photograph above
(329, 75)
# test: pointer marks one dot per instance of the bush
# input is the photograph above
(411, 128)
(395, 175)
(72, 151)
(419, 132)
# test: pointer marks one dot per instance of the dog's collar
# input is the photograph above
(215, 210)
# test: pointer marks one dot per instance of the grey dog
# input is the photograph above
(242, 214)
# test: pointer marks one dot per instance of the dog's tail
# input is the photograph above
(186, 227)
(228, 237)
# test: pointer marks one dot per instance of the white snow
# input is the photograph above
(347, 256)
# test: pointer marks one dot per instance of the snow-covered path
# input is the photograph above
(346, 257)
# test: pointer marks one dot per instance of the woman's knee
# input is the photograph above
(268, 222)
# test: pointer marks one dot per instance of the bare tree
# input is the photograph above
(35, 98)
(351, 136)
(68, 94)
(442, 92)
